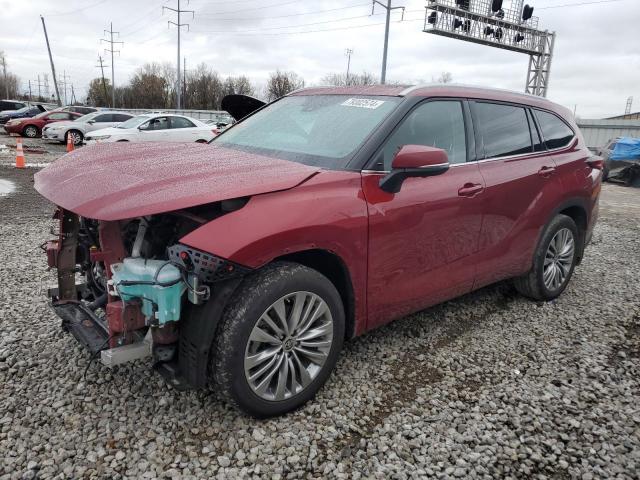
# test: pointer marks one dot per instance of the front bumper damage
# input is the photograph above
(145, 303)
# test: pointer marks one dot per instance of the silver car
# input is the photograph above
(77, 129)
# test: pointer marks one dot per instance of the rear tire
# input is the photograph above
(30, 131)
(267, 367)
(553, 262)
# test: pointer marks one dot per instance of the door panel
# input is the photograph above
(522, 188)
(421, 241)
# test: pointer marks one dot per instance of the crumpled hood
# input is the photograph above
(117, 181)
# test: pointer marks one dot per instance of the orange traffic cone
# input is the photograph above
(69, 143)
(19, 153)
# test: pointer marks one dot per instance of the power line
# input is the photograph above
(75, 11)
(217, 15)
(580, 4)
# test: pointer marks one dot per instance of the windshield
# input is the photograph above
(24, 109)
(134, 122)
(319, 130)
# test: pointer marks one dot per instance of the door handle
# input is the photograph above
(470, 189)
(546, 172)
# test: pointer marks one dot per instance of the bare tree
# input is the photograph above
(10, 85)
(280, 83)
(99, 94)
(238, 85)
(341, 80)
(445, 77)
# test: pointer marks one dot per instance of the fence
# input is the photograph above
(597, 132)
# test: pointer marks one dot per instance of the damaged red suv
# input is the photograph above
(246, 263)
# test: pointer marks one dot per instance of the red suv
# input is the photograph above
(320, 216)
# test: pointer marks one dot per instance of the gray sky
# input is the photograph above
(596, 63)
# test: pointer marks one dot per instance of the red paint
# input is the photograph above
(417, 156)
(437, 238)
(126, 180)
(39, 122)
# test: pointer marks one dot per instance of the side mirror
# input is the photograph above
(414, 161)
(91, 122)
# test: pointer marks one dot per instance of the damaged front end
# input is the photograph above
(127, 289)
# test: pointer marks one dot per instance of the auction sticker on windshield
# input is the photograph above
(362, 103)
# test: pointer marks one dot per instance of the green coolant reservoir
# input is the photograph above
(134, 278)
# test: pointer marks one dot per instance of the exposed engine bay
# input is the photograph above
(124, 286)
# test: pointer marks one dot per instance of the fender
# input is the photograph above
(281, 223)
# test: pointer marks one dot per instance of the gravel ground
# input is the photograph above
(487, 386)
(37, 151)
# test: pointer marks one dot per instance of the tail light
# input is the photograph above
(596, 162)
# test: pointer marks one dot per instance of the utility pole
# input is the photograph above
(53, 68)
(179, 26)
(388, 8)
(111, 42)
(348, 52)
(184, 83)
(104, 83)
(65, 82)
(6, 84)
(46, 85)
(30, 91)
(73, 95)
(39, 90)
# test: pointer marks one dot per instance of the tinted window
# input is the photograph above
(435, 124)
(556, 133)
(120, 117)
(105, 117)
(181, 122)
(504, 130)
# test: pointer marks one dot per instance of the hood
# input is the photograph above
(117, 181)
(239, 106)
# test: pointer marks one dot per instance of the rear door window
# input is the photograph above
(504, 129)
(105, 117)
(437, 124)
(181, 122)
(120, 117)
(556, 133)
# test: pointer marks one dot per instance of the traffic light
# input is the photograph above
(519, 37)
(498, 34)
(488, 31)
(433, 17)
(463, 4)
(496, 5)
(527, 12)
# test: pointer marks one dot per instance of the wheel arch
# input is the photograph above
(577, 210)
(335, 269)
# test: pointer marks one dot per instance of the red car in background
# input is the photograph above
(32, 127)
(327, 213)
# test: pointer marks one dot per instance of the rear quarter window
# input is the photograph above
(555, 132)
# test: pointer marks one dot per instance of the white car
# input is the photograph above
(80, 127)
(156, 127)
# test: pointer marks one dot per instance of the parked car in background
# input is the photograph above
(325, 214)
(32, 127)
(605, 151)
(220, 121)
(24, 112)
(159, 127)
(76, 109)
(77, 129)
(12, 105)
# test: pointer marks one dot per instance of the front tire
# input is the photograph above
(76, 137)
(31, 131)
(279, 339)
(553, 262)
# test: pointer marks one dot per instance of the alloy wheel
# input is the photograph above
(559, 259)
(288, 346)
(31, 132)
(76, 137)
